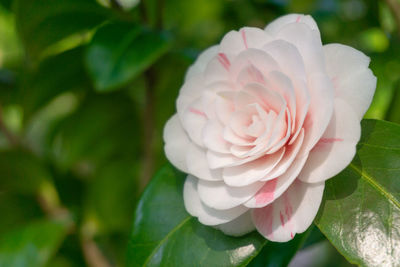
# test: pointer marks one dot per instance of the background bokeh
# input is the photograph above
(86, 87)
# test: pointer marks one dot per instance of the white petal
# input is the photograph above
(193, 121)
(273, 189)
(232, 43)
(291, 213)
(252, 171)
(176, 143)
(206, 215)
(254, 37)
(353, 81)
(218, 68)
(275, 26)
(189, 92)
(253, 57)
(197, 165)
(288, 58)
(235, 42)
(213, 137)
(283, 85)
(336, 148)
(286, 161)
(201, 62)
(308, 42)
(320, 110)
(221, 196)
(239, 226)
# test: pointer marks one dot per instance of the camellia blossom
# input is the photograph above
(263, 119)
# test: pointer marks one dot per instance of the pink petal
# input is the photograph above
(353, 81)
(293, 212)
(218, 69)
(197, 165)
(218, 195)
(275, 26)
(320, 110)
(239, 226)
(252, 171)
(213, 137)
(308, 42)
(336, 148)
(176, 142)
(253, 57)
(205, 214)
(194, 120)
(235, 42)
(274, 188)
(201, 62)
(286, 161)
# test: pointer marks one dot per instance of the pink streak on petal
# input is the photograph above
(255, 74)
(223, 59)
(335, 82)
(288, 207)
(325, 141)
(244, 38)
(298, 19)
(266, 193)
(264, 218)
(330, 140)
(288, 213)
(282, 219)
(198, 112)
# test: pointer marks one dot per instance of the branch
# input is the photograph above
(394, 6)
(49, 201)
(149, 115)
(93, 255)
(148, 129)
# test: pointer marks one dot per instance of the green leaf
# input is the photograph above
(6, 3)
(42, 23)
(118, 180)
(360, 213)
(120, 51)
(19, 209)
(164, 234)
(22, 172)
(279, 254)
(31, 245)
(393, 112)
(62, 73)
(104, 127)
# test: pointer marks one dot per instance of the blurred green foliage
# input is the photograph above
(75, 77)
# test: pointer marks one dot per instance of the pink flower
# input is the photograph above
(264, 118)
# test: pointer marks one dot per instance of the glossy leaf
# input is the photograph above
(121, 51)
(279, 254)
(164, 234)
(42, 23)
(360, 213)
(31, 245)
